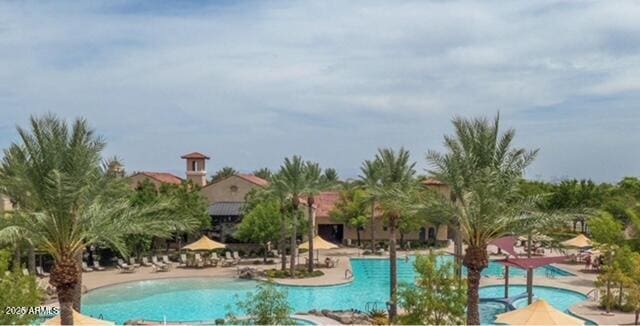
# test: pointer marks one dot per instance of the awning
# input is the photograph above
(538, 313)
(526, 263)
(204, 243)
(79, 319)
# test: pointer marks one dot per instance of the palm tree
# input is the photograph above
(395, 194)
(483, 170)
(315, 182)
(292, 182)
(370, 179)
(224, 173)
(66, 203)
(330, 175)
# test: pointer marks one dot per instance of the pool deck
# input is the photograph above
(581, 282)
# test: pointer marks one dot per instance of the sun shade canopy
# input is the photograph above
(204, 243)
(79, 319)
(537, 313)
(580, 241)
(506, 244)
(318, 243)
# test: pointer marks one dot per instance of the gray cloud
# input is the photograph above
(252, 82)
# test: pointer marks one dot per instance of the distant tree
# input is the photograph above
(607, 233)
(369, 180)
(263, 173)
(224, 173)
(437, 298)
(17, 290)
(633, 291)
(330, 175)
(260, 225)
(352, 209)
(267, 306)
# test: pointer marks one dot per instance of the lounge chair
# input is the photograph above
(86, 268)
(124, 266)
(145, 262)
(160, 268)
(198, 262)
(41, 272)
(236, 256)
(132, 262)
(25, 272)
(214, 256)
(229, 259)
(165, 259)
(183, 260)
(96, 266)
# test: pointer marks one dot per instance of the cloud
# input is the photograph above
(251, 82)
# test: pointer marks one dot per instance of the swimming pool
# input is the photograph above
(200, 299)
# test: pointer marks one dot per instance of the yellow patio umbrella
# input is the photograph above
(318, 243)
(79, 319)
(538, 313)
(580, 241)
(204, 243)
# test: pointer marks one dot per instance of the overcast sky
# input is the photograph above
(251, 82)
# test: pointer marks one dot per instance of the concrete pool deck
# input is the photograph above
(581, 282)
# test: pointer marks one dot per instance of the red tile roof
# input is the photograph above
(432, 182)
(255, 180)
(195, 155)
(325, 201)
(162, 177)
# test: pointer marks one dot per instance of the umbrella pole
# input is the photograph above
(506, 281)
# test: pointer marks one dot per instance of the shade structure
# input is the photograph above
(204, 243)
(79, 319)
(580, 241)
(538, 313)
(526, 263)
(506, 244)
(318, 243)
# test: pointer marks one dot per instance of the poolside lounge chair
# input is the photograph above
(156, 262)
(165, 259)
(145, 262)
(86, 268)
(229, 259)
(96, 266)
(183, 260)
(124, 267)
(25, 272)
(236, 256)
(132, 262)
(198, 262)
(41, 272)
(160, 268)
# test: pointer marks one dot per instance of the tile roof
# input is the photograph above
(325, 201)
(432, 182)
(195, 155)
(255, 180)
(226, 209)
(162, 177)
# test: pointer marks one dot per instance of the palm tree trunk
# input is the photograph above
(373, 227)
(457, 250)
(312, 220)
(32, 259)
(77, 288)
(475, 259)
(294, 235)
(620, 293)
(65, 300)
(283, 237)
(17, 257)
(393, 272)
(65, 276)
(358, 235)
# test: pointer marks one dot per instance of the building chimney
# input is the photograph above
(196, 169)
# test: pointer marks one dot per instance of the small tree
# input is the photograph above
(633, 291)
(437, 298)
(261, 225)
(607, 233)
(267, 306)
(352, 209)
(224, 173)
(16, 290)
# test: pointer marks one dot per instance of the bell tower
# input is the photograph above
(196, 169)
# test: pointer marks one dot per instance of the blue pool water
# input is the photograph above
(198, 299)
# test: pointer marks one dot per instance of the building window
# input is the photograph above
(234, 189)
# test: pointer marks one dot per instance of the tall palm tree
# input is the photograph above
(331, 175)
(263, 173)
(395, 194)
(292, 181)
(66, 203)
(315, 182)
(483, 170)
(224, 173)
(370, 179)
